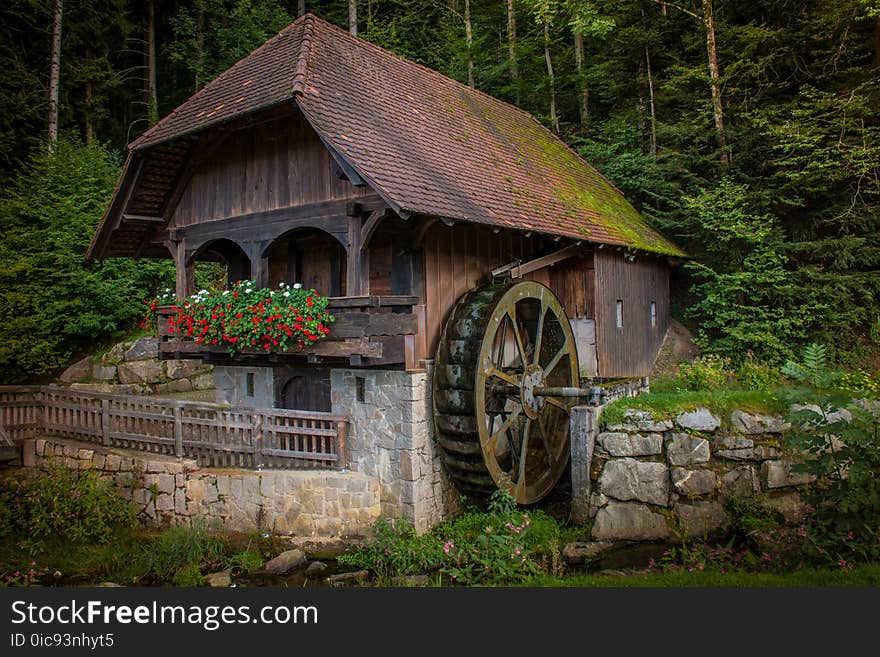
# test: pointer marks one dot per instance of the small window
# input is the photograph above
(653, 313)
(620, 313)
(249, 384)
(360, 384)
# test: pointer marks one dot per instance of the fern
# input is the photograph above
(813, 370)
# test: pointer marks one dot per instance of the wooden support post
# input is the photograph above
(180, 288)
(355, 285)
(341, 439)
(178, 432)
(105, 422)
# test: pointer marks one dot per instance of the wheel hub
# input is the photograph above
(532, 378)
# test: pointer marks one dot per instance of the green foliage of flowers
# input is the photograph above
(248, 317)
(72, 505)
(501, 545)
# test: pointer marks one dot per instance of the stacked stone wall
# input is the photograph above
(391, 438)
(170, 491)
(655, 479)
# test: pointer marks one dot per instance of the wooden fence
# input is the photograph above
(211, 434)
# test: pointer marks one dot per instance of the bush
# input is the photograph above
(502, 545)
(843, 455)
(163, 557)
(708, 372)
(756, 375)
(71, 505)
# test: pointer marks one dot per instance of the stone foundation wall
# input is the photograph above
(171, 491)
(391, 438)
(652, 479)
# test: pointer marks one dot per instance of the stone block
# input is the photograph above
(40, 446)
(143, 349)
(693, 482)
(203, 382)
(165, 502)
(180, 385)
(685, 449)
(629, 521)
(103, 372)
(182, 369)
(98, 461)
(622, 444)
(583, 552)
(698, 420)
(741, 481)
(165, 483)
(140, 372)
(195, 490)
(698, 519)
(80, 371)
(115, 356)
(753, 425)
(778, 474)
(732, 442)
(789, 505)
(628, 479)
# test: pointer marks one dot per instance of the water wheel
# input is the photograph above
(505, 360)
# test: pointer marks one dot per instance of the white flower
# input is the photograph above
(271, 293)
(297, 286)
(248, 291)
(168, 289)
(225, 292)
(287, 294)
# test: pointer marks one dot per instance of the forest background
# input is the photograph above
(748, 131)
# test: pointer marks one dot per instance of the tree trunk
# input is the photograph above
(353, 17)
(877, 40)
(90, 125)
(469, 40)
(554, 119)
(300, 7)
(55, 74)
(651, 102)
(200, 47)
(152, 94)
(511, 48)
(583, 89)
(715, 75)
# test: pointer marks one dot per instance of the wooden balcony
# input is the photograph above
(369, 331)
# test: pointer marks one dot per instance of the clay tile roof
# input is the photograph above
(426, 143)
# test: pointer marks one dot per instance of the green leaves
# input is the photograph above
(54, 304)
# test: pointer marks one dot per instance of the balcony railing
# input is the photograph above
(369, 330)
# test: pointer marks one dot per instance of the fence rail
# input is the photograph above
(213, 435)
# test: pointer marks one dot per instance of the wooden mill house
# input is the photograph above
(475, 263)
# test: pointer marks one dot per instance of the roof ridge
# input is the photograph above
(433, 72)
(301, 72)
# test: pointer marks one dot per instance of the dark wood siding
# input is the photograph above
(630, 350)
(277, 164)
(461, 257)
(574, 282)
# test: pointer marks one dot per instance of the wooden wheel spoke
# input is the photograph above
(504, 376)
(517, 336)
(558, 404)
(539, 334)
(523, 453)
(545, 440)
(557, 357)
(506, 424)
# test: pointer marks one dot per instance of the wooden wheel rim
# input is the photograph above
(535, 428)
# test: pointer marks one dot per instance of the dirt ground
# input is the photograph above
(679, 346)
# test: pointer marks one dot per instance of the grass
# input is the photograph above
(666, 405)
(860, 576)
